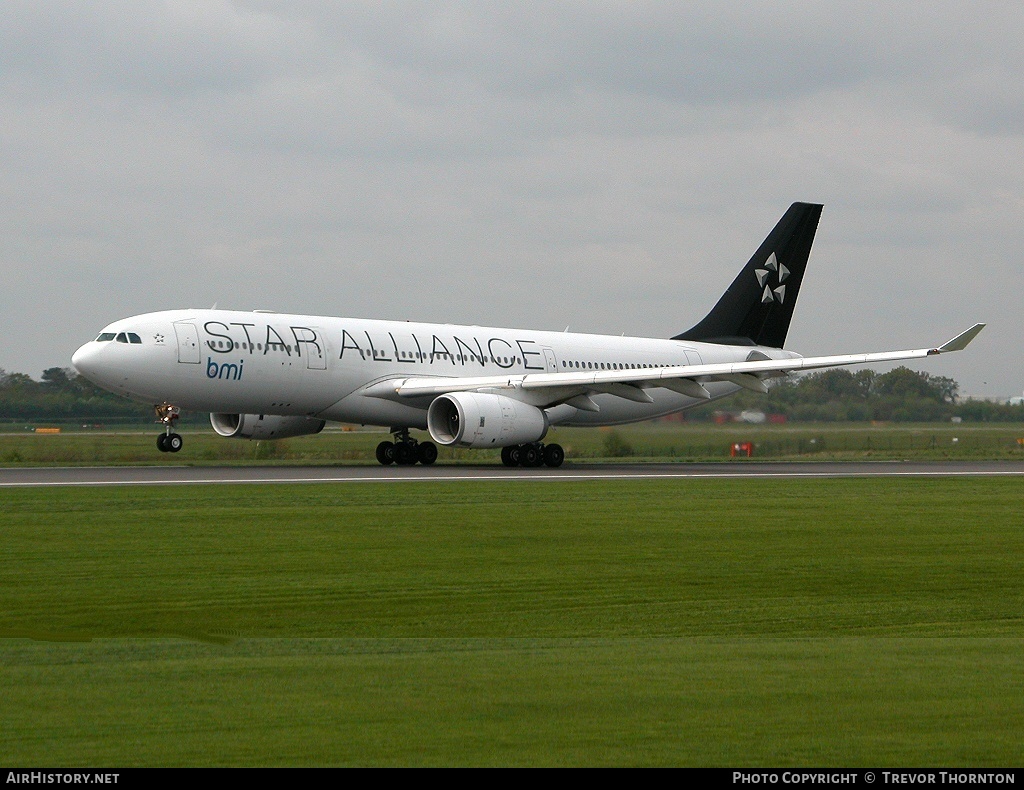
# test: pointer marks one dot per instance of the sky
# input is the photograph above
(602, 166)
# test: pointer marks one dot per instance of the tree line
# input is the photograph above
(843, 395)
(63, 396)
(839, 395)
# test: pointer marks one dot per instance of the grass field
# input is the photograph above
(715, 622)
(654, 441)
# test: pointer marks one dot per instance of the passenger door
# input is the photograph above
(188, 342)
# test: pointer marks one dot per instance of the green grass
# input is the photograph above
(728, 702)
(651, 441)
(779, 622)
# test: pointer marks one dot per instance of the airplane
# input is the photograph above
(266, 375)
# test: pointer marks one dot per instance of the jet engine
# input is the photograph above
(263, 426)
(476, 419)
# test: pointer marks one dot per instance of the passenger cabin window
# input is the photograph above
(105, 337)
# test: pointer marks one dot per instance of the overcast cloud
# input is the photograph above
(606, 165)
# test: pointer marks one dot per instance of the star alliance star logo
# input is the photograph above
(158, 338)
(764, 276)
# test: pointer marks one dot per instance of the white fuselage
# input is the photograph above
(273, 363)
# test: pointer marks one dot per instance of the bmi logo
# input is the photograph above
(764, 277)
(225, 370)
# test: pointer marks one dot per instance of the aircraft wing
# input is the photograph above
(687, 379)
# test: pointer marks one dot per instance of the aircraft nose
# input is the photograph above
(84, 360)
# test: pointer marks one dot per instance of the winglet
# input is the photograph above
(959, 343)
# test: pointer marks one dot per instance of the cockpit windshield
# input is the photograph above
(120, 337)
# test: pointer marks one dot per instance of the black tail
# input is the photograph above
(757, 307)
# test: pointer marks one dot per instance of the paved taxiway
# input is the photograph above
(207, 475)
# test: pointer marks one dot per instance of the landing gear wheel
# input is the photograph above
(531, 455)
(168, 441)
(554, 455)
(427, 452)
(506, 455)
(385, 453)
(405, 454)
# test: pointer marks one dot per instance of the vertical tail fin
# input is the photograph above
(757, 308)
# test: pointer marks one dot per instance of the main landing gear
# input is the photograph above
(406, 451)
(535, 454)
(169, 441)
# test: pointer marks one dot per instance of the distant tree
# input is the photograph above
(947, 387)
(841, 395)
(63, 395)
(905, 383)
(837, 384)
(988, 411)
(18, 381)
(57, 378)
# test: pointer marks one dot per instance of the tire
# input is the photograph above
(385, 453)
(554, 455)
(531, 455)
(173, 442)
(506, 456)
(427, 452)
(515, 454)
(161, 442)
(405, 454)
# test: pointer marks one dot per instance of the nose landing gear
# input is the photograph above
(169, 441)
(406, 451)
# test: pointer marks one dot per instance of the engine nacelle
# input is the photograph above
(476, 419)
(263, 426)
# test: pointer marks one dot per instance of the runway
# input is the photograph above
(212, 475)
